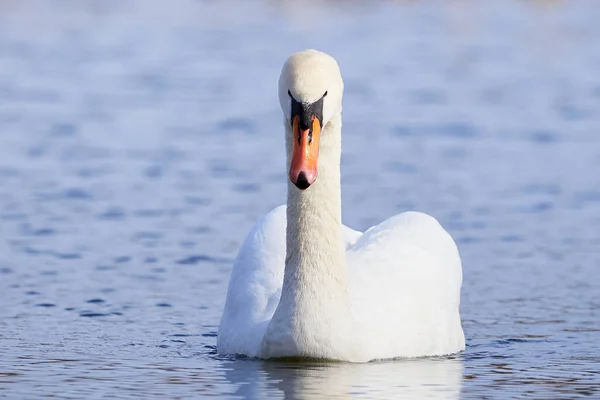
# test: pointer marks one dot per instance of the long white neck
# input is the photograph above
(313, 316)
(315, 256)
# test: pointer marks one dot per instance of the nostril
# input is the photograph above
(302, 181)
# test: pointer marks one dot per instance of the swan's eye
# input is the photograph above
(325, 94)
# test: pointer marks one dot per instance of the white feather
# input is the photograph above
(316, 288)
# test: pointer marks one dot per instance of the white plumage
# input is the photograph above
(316, 288)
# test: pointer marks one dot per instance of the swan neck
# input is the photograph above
(313, 315)
(314, 248)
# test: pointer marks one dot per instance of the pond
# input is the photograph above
(139, 142)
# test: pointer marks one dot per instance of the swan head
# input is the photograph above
(310, 95)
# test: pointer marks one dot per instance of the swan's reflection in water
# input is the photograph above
(437, 378)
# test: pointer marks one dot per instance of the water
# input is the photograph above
(139, 142)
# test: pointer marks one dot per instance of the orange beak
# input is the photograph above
(305, 153)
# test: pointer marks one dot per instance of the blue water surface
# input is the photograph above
(140, 140)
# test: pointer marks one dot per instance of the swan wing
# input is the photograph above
(254, 286)
(350, 236)
(405, 276)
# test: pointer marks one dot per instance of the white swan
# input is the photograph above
(313, 287)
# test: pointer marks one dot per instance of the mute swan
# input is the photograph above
(304, 285)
